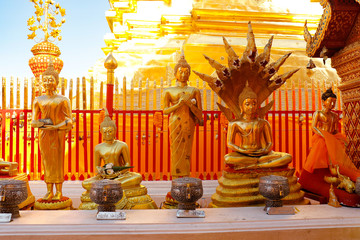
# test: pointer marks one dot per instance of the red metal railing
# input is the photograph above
(149, 146)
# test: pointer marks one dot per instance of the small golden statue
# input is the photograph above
(333, 201)
(184, 104)
(112, 160)
(8, 168)
(328, 144)
(244, 85)
(55, 122)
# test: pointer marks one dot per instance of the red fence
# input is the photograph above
(149, 145)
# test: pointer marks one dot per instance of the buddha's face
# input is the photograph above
(329, 103)
(182, 74)
(49, 82)
(108, 133)
(249, 106)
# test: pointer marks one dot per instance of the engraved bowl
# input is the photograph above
(357, 186)
(12, 193)
(187, 191)
(106, 193)
(274, 188)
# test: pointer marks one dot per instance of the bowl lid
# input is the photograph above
(106, 183)
(273, 179)
(12, 183)
(187, 180)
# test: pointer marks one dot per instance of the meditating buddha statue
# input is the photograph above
(52, 116)
(110, 156)
(244, 85)
(327, 162)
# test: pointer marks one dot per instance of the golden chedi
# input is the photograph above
(112, 159)
(244, 85)
(55, 122)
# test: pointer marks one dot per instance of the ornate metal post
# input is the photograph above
(110, 64)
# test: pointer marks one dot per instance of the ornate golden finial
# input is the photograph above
(110, 62)
(48, 24)
(107, 122)
(51, 71)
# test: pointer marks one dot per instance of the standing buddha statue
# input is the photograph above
(112, 159)
(184, 104)
(52, 115)
(244, 85)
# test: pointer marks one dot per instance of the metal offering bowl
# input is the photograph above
(106, 193)
(274, 188)
(187, 191)
(12, 193)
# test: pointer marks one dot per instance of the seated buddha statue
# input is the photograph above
(253, 150)
(115, 153)
(244, 85)
(328, 144)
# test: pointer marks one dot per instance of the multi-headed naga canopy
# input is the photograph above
(252, 69)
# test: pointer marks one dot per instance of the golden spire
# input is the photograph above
(48, 24)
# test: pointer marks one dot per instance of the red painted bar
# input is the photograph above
(139, 144)
(280, 122)
(69, 152)
(25, 143)
(273, 122)
(132, 137)
(11, 139)
(205, 143)
(286, 132)
(91, 142)
(197, 139)
(32, 155)
(162, 151)
(169, 154)
(110, 98)
(3, 133)
(154, 167)
(212, 137)
(85, 143)
(17, 153)
(219, 156)
(117, 124)
(146, 142)
(39, 160)
(77, 142)
(124, 127)
(307, 135)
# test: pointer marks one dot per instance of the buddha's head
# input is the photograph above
(248, 101)
(328, 99)
(50, 78)
(182, 69)
(108, 128)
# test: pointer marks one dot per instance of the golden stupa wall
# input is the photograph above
(347, 64)
(148, 46)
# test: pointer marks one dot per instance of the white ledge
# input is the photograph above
(311, 222)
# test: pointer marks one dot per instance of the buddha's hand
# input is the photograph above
(50, 127)
(185, 99)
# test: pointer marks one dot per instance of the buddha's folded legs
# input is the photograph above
(273, 159)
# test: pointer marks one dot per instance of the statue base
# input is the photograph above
(133, 198)
(314, 183)
(64, 204)
(240, 188)
(29, 202)
(171, 203)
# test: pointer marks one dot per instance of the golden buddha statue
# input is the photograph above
(244, 85)
(184, 104)
(328, 144)
(113, 154)
(255, 140)
(55, 122)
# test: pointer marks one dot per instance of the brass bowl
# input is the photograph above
(106, 193)
(12, 193)
(274, 188)
(187, 191)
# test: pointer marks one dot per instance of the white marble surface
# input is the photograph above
(311, 222)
